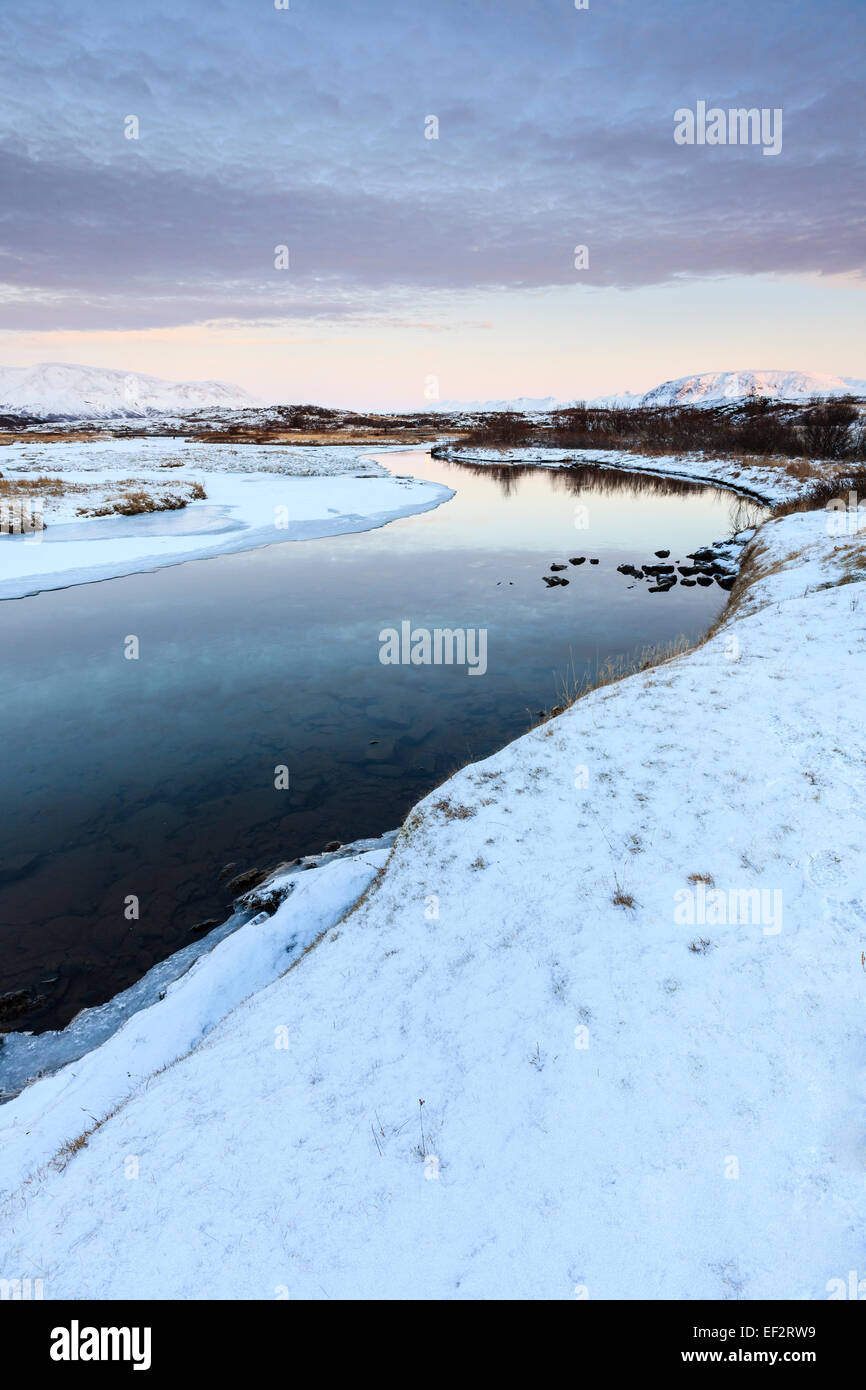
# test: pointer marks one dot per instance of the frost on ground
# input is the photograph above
(597, 1030)
(253, 496)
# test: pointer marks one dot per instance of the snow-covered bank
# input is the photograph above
(24, 1055)
(764, 482)
(597, 1030)
(174, 1006)
(255, 496)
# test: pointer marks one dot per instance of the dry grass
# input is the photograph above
(41, 486)
(138, 501)
(622, 899)
(830, 485)
(452, 811)
(615, 669)
(67, 1151)
(133, 500)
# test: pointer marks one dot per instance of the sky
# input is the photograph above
(154, 156)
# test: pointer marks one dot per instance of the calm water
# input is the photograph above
(148, 777)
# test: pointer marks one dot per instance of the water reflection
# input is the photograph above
(148, 777)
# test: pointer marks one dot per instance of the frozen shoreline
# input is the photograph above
(618, 1098)
(769, 485)
(255, 496)
(25, 1056)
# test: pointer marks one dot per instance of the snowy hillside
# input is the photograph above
(62, 388)
(596, 1031)
(715, 388)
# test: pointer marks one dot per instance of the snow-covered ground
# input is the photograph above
(596, 1030)
(256, 495)
(771, 483)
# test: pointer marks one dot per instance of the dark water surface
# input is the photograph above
(147, 777)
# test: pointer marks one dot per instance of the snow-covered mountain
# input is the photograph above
(536, 405)
(716, 388)
(619, 400)
(527, 405)
(707, 388)
(64, 388)
(75, 392)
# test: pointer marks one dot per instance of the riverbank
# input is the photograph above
(594, 1030)
(766, 479)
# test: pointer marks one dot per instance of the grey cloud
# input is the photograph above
(556, 129)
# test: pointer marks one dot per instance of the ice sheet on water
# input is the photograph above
(202, 520)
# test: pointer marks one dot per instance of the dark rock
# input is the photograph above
(704, 580)
(17, 1003)
(332, 845)
(659, 569)
(557, 567)
(687, 583)
(251, 878)
(662, 554)
(593, 562)
(725, 581)
(687, 569)
(225, 871)
(205, 926)
(577, 560)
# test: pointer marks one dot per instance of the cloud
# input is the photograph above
(306, 128)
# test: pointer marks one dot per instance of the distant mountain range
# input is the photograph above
(63, 388)
(715, 388)
(73, 392)
(708, 388)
